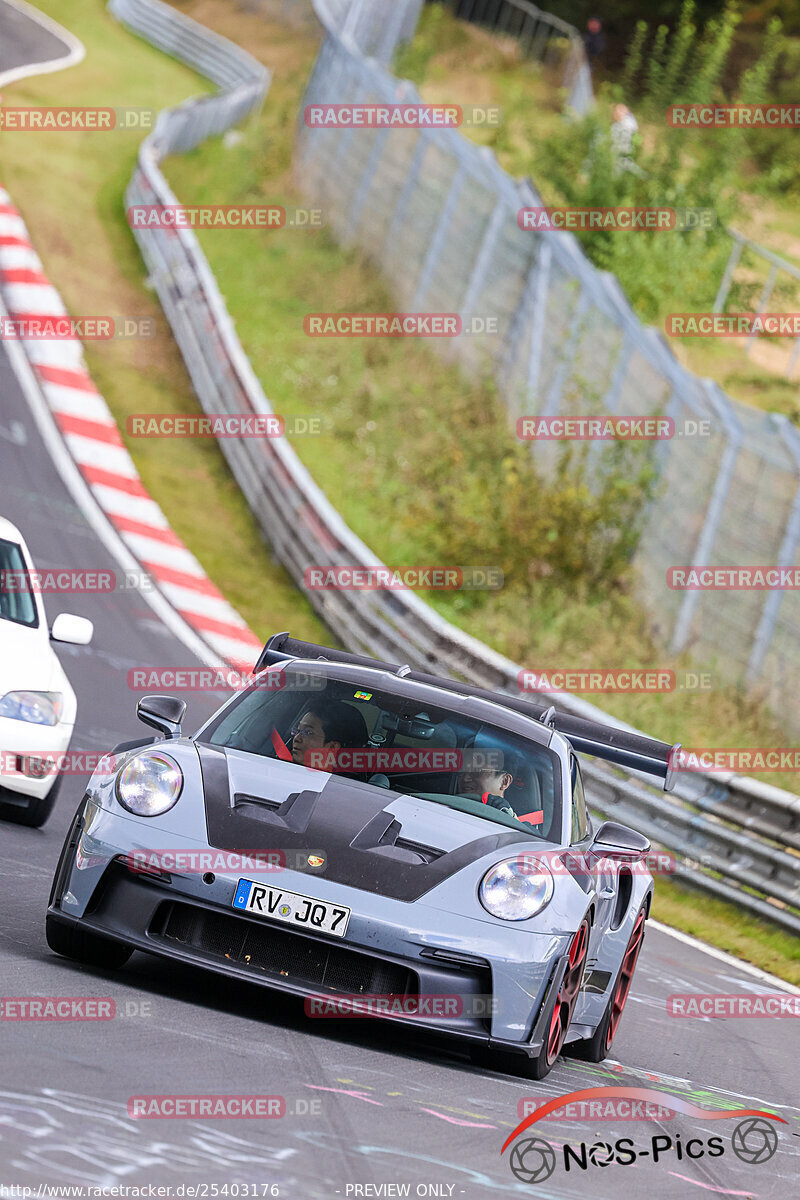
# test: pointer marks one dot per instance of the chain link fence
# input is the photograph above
(439, 217)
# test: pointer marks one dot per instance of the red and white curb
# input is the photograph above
(94, 443)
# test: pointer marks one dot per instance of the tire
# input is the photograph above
(597, 1047)
(84, 947)
(37, 810)
(558, 1020)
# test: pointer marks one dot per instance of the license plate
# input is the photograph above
(291, 908)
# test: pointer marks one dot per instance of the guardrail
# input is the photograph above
(735, 838)
(541, 36)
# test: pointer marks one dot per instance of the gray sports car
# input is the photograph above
(378, 841)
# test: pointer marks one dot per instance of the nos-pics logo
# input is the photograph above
(533, 1159)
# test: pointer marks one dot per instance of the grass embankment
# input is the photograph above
(70, 188)
(723, 925)
(452, 61)
(422, 466)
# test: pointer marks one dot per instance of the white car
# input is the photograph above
(37, 703)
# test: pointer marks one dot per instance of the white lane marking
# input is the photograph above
(730, 959)
(12, 225)
(216, 607)
(39, 298)
(122, 504)
(76, 50)
(163, 553)
(21, 258)
(91, 452)
(244, 653)
(95, 517)
(73, 402)
(16, 433)
(60, 352)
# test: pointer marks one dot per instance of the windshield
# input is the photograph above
(16, 597)
(393, 742)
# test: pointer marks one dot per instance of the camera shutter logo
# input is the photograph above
(533, 1160)
(754, 1140)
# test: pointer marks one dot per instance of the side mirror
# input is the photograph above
(620, 841)
(76, 631)
(163, 713)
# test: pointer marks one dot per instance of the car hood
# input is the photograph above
(375, 839)
(27, 660)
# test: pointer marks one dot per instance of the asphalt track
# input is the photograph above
(367, 1105)
(25, 43)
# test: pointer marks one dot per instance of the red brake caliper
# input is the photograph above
(567, 993)
(625, 977)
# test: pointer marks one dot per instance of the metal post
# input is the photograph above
(439, 236)
(716, 508)
(786, 558)
(364, 183)
(611, 398)
(727, 276)
(793, 357)
(408, 187)
(353, 20)
(763, 301)
(541, 286)
(391, 33)
(539, 47)
(568, 353)
(484, 257)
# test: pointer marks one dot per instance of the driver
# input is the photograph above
(327, 725)
(490, 783)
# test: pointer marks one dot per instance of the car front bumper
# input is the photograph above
(21, 742)
(476, 979)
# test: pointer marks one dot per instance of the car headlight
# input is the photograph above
(516, 889)
(38, 708)
(149, 784)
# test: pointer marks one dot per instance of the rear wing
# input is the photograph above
(619, 746)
